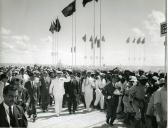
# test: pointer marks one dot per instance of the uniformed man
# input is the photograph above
(57, 90)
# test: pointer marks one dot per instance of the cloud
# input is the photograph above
(138, 32)
(5, 31)
(48, 39)
(152, 25)
(21, 38)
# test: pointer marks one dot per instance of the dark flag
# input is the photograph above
(57, 25)
(70, 9)
(139, 40)
(91, 45)
(84, 38)
(75, 49)
(134, 40)
(86, 1)
(95, 41)
(143, 41)
(103, 39)
(128, 40)
(91, 39)
(51, 29)
(71, 49)
(98, 43)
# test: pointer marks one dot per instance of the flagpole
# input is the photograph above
(75, 39)
(94, 34)
(52, 49)
(57, 48)
(72, 40)
(100, 36)
(165, 43)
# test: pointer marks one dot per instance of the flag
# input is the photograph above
(139, 40)
(86, 1)
(74, 48)
(57, 25)
(128, 40)
(84, 38)
(91, 45)
(70, 9)
(95, 41)
(91, 39)
(71, 50)
(143, 41)
(98, 43)
(134, 40)
(51, 29)
(103, 39)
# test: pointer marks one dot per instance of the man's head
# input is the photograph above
(9, 93)
(31, 75)
(4, 78)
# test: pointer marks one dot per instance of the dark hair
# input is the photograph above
(8, 88)
(3, 76)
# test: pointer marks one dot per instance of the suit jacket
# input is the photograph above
(32, 91)
(19, 116)
(72, 88)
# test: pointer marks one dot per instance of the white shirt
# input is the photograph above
(7, 111)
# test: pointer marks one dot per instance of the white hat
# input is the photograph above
(133, 78)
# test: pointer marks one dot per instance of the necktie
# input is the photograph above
(12, 122)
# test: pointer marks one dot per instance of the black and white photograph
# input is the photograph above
(83, 63)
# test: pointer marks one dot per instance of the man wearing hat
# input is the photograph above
(160, 103)
(32, 96)
(87, 90)
(128, 110)
(137, 94)
(57, 90)
(44, 90)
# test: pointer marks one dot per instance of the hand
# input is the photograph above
(109, 97)
(67, 95)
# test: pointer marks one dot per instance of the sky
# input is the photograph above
(25, 37)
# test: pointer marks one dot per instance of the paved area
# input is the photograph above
(81, 119)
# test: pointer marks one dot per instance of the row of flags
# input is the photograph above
(67, 11)
(96, 40)
(55, 26)
(138, 41)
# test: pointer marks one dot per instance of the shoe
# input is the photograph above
(107, 121)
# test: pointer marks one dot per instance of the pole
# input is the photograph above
(52, 53)
(165, 54)
(75, 39)
(100, 37)
(57, 48)
(94, 34)
(72, 40)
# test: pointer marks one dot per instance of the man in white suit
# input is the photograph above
(87, 90)
(57, 90)
(99, 85)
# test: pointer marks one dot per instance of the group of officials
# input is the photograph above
(139, 96)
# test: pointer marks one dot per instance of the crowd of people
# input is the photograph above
(138, 97)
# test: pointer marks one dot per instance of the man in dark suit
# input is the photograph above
(32, 96)
(11, 115)
(72, 91)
